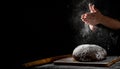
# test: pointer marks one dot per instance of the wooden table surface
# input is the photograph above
(54, 66)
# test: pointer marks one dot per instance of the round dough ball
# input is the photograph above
(89, 52)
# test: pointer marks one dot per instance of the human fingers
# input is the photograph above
(95, 9)
(90, 7)
(83, 19)
(83, 16)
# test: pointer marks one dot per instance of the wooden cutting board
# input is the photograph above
(110, 60)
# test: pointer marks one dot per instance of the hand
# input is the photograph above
(92, 18)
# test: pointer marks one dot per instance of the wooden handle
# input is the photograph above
(44, 61)
(113, 61)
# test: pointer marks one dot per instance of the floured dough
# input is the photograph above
(89, 52)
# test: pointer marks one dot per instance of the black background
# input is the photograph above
(47, 30)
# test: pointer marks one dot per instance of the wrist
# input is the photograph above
(103, 19)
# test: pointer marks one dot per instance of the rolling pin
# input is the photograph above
(45, 60)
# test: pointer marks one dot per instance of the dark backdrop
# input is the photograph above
(47, 30)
